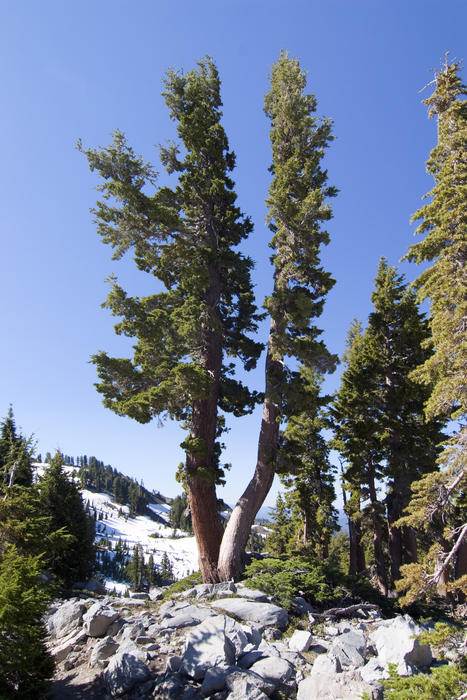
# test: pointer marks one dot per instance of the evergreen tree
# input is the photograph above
(166, 571)
(356, 437)
(185, 237)
(281, 539)
(180, 517)
(297, 207)
(399, 341)
(61, 500)
(15, 454)
(135, 568)
(380, 426)
(444, 221)
(26, 667)
(306, 470)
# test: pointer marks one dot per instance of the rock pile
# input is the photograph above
(222, 641)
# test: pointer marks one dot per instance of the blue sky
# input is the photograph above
(74, 70)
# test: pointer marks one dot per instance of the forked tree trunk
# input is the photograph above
(232, 551)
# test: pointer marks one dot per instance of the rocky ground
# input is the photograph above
(223, 641)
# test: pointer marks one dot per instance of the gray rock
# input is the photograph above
(233, 630)
(249, 658)
(272, 634)
(173, 664)
(98, 619)
(252, 594)
(102, 651)
(187, 617)
(133, 630)
(300, 640)
(67, 644)
(326, 664)
(263, 614)
(275, 670)
(350, 648)
(253, 634)
(172, 607)
(206, 646)
(138, 595)
(156, 593)
(246, 684)
(72, 660)
(115, 627)
(127, 646)
(348, 685)
(372, 671)
(300, 606)
(66, 618)
(214, 680)
(175, 688)
(123, 672)
(395, 643)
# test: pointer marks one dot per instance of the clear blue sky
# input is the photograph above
(74, 70)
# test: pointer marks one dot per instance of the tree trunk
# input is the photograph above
(232, 551)
(356, 553)
(201, 462)
(401, 541)
(206, 525)
(377, 539)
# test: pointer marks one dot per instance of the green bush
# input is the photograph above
(442, 683)
(184, 584)
(285, 578)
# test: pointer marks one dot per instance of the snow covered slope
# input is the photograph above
(114, 523)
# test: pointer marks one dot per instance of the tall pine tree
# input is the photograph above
(297, 207)
(443, 222)
(187, 335)
(381, 424)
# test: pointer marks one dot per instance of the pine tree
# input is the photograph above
(15, 453)
(61, 501)
(179, 516)
(26, 666)
(297, 207)
(166, 571)
(356, 437)
(444, 221)
(282, 537)
(186, 238)
(306, 470)
(380, 426)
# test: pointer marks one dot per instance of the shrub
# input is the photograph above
(441, 683)
(185, 583)
(286, 578)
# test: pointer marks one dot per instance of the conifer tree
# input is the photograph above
(443, 222)
(15, 454)
(61, 501)
(356, 437)
(166, 572)
(297, 207)
(379, 412)
(307, 472)
(282, 535)
(26, 666)
(186, 238)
